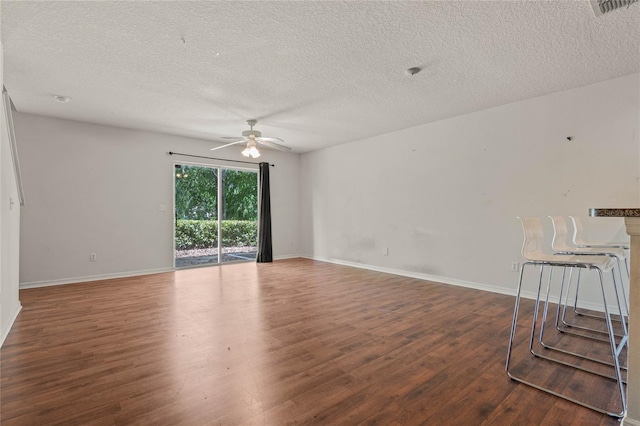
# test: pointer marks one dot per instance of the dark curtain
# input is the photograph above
(265, 254)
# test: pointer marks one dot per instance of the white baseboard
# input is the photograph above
(286, 256)
(418, 275)
(64, 281)
(447, 280)
(630, 422)
(9, 324)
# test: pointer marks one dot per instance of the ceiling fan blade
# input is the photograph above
(233, 137)
(275, 140)
(270, 142)
(228, 144)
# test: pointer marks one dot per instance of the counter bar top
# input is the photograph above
(614, 212)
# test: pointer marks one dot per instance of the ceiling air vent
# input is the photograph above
(600, 7)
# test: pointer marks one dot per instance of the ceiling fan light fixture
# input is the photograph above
(251, 151)
(252, 138)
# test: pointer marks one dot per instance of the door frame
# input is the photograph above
(218, 195)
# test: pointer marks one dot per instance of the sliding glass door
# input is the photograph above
(216, 215)
(239, 215)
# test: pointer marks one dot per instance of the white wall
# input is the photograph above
(95, 188)
(443, 197)
(9, 232)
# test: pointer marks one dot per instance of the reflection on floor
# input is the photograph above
(183, 262)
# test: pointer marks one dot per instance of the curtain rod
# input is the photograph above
(214, 158)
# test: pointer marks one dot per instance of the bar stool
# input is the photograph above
(532, 251)
(560, 246)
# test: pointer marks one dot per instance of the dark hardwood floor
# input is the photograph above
(293, 342)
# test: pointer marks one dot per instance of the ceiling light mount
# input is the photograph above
(62, 99)
(254, 133)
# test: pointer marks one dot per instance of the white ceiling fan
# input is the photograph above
(253, 137)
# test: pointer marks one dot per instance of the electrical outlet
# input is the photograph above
(385, 251)
(515, 266)
(93, 257)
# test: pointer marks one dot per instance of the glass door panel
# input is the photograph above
(239, 215)
(196, 215)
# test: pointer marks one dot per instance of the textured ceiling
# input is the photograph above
(313, 73)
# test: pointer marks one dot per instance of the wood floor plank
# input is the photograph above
(292, 342)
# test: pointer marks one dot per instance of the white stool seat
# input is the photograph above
(610, 251)
(604, 263)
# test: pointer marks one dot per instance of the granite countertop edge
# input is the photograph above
(614, 212)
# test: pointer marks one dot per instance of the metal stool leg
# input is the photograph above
(623, 314)
(561, 350)
(566, 326)
(616, 348)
